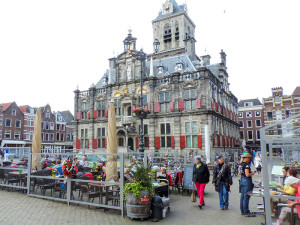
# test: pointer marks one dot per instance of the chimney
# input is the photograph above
(223, 57)
(206, 60)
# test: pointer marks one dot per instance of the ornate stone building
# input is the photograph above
(184, 92)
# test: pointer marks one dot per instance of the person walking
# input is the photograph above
(200, 179)
(246, 184)
(258, 163)
(222, 180)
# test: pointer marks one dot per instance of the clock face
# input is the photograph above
(167, 8)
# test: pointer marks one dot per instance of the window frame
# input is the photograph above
(248, 135)
(101, 135)
(248, 113)
(259, 113)
(248, 124)
(19, 122)
(256, 123)
(165, 137)
(190, 102)
(10, 122)
(5, 133)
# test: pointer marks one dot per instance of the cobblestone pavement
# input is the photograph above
(17, 208)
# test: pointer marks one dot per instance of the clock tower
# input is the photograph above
(174, 29)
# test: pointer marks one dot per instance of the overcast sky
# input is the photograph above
(47, 48)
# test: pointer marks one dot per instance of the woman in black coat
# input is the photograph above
(200, 179)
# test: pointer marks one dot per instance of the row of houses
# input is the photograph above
(254, 114)
(17, 127)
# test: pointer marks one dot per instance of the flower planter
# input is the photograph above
(141, 115)
(138, 208)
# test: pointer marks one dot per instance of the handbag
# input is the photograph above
(193, 196)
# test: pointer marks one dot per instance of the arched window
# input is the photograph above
(167, 33)
(176, 32)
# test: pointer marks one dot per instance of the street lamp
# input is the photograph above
(156, 44)
(142, 57)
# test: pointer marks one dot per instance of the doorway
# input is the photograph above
(129, 111)
(130, 144)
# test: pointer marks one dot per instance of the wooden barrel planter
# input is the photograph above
(138, 208)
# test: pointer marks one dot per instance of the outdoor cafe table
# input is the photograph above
(19, 175)
(258, 195)
(99, 187)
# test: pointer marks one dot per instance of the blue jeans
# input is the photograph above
(223, 196)
(246, 186)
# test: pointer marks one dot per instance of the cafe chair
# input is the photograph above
(114, 196)
(44, 185)
(294, 216)
(10, 179)
(60, 187)
(91, 194)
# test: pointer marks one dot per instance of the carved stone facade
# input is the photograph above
(183, 92)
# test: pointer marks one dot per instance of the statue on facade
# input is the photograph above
(129, 73)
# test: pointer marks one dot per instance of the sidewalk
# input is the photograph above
(18, 209)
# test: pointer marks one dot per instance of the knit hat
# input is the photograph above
(291, 180)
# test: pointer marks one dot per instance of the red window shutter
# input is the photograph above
(147, 146)
(231, 142)
(223, 140)
(182, 141)
(172, 106)
(199, 141)
(137, 142)
(88, 143)
(148, 107)
(227, 141)
(217, 107)
(94, 143)
(89, 115)
(226, 112)
(105, 113)
(212, 103)
(218, 140)
(214, 139)
(198, 103)
(181, 105)
(172, 142)
(156, 107)
(95, 114)
(78, 116)
(105, 143)
(157, 142)
(77, 143)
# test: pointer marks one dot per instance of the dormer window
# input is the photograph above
(179, 66)
(160, 69)
(246, 104)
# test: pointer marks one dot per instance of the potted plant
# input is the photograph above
(138, 193)
(140, 112)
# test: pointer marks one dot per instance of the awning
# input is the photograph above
(4, 142)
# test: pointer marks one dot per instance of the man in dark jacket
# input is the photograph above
(222, 181)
